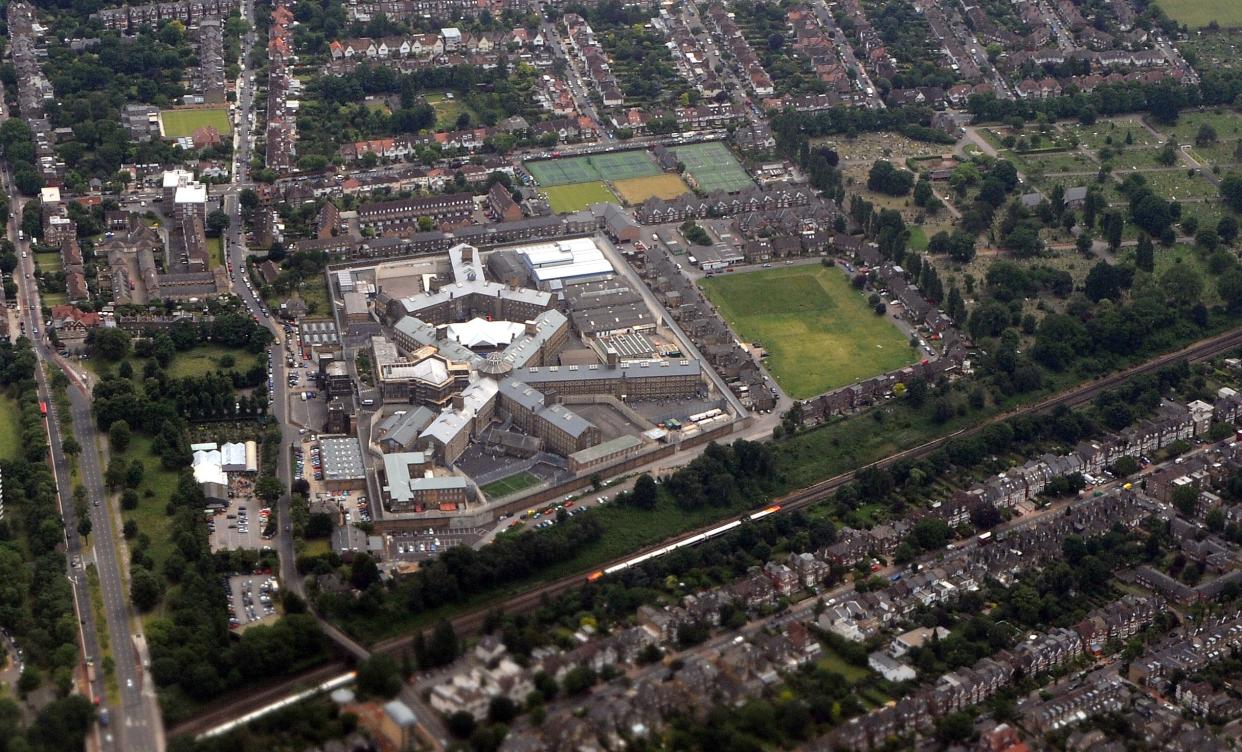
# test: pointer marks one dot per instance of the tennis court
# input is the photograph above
(713, 167)
(609, 166)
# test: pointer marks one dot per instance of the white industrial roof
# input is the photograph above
(479, 332)
(233, 455)
(208, 467)
(564, 259)
(50, 195)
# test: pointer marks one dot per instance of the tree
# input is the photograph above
(1206, 135)
(1182, 284)
(379, 676)
(1105, 281)
(119, 435)
(144, 589)
(444, 647)
(885, 178)
(111, 343)
(1083, 243)
(1231, 191)
(461, 724)
(1229, 285)
(217, 222)
(129, 529)
(1227, 229)
(84, 526)
(363, 572)
(1207, 238)
(129, 499)
(70, 446)
(1186, 499)
(578, 680)
(268, 488)
(501, 710)
(645, 493)
(1145, 254)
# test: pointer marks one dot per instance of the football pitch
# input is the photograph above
(713, 167)
(566, 199)
(178, 123)
(511, 485)
(818, 331)
(618, 165)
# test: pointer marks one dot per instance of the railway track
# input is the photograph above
(472, 622)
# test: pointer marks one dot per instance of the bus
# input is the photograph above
(43, 408)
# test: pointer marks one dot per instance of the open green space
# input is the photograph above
(178, 123)
(565, 199)
(1113, 131)
(819, 332)
(1227, 126)
(215, 249)
(1174, 185)
(1053, 161)
(832, 661)
(49, 262)
(1135, 158)
(713, 167)
(619, 165)
(193, 362)
(511, 485)
(10, 428)
(1199, 13)
(448, 109)
(157, 487)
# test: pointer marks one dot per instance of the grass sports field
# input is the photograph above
(1198, 13)
(178, 123)
(511, 485)
(713, 167)
(619, 165)
(566, 199)
(637, 190)
(818, 331)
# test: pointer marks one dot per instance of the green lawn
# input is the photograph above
(1199, 13)
(819, 332)
(215, 247)
(574, 197)
(10, 428)
(49, 262)
(151, 515)
(511, 485)
(178, 123)
(918, 239)
(193, 362)
(205, 359)
(831, 661)
(448, 110)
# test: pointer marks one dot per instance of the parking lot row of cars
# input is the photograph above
(251, 605)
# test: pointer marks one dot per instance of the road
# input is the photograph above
(135, 723)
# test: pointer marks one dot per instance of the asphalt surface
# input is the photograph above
(237, 252)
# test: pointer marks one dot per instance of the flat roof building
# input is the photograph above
(565, 261)
(342, 463)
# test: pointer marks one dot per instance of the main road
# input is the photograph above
(135, 722)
